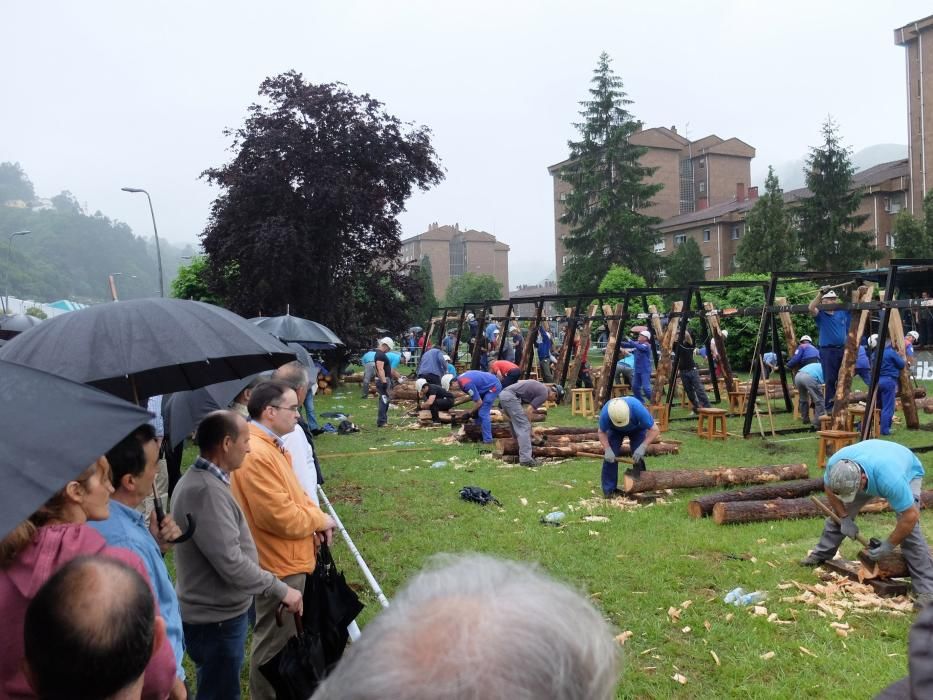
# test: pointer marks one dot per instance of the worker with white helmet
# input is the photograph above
(434, 397)
(620, 418)
(484, 388)
(833, 325)
(384, 373)
(909, 341)
(513, 401)
(891, 365)
(808, 380)
(641, 380)
(877, 468)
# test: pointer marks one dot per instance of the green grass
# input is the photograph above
(400, 511)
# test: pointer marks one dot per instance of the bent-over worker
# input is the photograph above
(434, 397)
(513, 400)
(620, 418)
(484, 388)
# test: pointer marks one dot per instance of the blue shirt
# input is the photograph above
(861, 360)
(544, 343)
(805, 352)
(394, 358)
(448, 344)
(642, 355)
(491, 329)
(127, 528)
(451, 370)
(639, 418)
(432, 362)
(477, 384)
(891, 363)
(815, 370)
(770, 358)
(890, 468)
(834, 327)
(628, 361)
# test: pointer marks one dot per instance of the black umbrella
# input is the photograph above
(297, 669)
(53, 429)
(311, 334)
(144, 347)
(184, 410)
(13, 325)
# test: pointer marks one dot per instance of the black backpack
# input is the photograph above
(477, 495)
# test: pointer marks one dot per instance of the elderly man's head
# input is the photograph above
(90, 631)
(481, 627)
(295, 375)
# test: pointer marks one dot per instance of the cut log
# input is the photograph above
(472, 431)
(700, 478)
(607, 371)
(703, 506)
(665, 353)
(891, 566)
(712, 318)
(355, 378)
(583, 333)
(847, 368)
(509, 446)
(789, 508)
(862, 396)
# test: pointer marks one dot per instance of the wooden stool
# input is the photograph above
(832, 441)
(826, 422)
(661, 414)
(737, 401)
(711, 419)
(581, 403)
(618, 391)
(859, 410)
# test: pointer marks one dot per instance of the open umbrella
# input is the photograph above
(53, 429)
(184, 410)
(311, 334)
(145, 347)
(13, 325)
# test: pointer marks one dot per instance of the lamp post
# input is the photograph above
(9, 274)
(155, 230)
(113, 283)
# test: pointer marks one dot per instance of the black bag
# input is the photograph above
(297, 669)
(329, 606)
(477, 495)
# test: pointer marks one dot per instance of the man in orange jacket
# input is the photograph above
(281, 517)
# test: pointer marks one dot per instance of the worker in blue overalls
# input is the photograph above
(891, 365)
(641, 380)
(484, 388)
(833, 325)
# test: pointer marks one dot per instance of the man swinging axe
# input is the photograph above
(619, 418)
(513, 400)
(885, 469)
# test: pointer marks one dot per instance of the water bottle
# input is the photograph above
(752, 598)
(733, 595)
(554, 518)
(439, 464)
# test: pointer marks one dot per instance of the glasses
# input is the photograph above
(293, 409)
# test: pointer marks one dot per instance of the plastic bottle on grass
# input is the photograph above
(752, 598)
(733, 595)
(554, 518)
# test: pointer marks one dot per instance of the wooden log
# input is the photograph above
(789, 508)
(849, 354)
(905, 385)
(528, 349)
(509, 446)
(665, 355)
(607, 372)
(355, 378)
(891, 566)
(720, 476)
(567, 439)
(712, 318)
(584, 335)
(703, 506)
(862, 396)
(787, 326)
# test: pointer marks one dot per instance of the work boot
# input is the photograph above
(614, 493)
(922, 600)
(811, 560)
(531, 463)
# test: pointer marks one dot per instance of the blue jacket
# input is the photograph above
(478, 384)
(639, 418)
(861, 360)
(891, 363)
(544, 343)
(834, 327)
(804, 355)
(642, 355)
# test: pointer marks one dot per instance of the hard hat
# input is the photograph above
(513, 329)
(446, 357)
(558, 392)
(388, 342)
(619, 412)
(446, 380)
(470, 317)
(420, 384)
(873, 341)
(806, 339)
(830, 295)
(725, 333)
(647, 334)
(496, 332)
(914, 335)
(845, 479)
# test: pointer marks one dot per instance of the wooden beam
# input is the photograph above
(849, 356)
(607, 375)
(665, 357)
(787, 326)
(712, 316)
(584, 335)
(905, 388)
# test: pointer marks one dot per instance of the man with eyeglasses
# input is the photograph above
(281, 518)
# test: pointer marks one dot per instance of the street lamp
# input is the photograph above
(9, 274)
(136, 190)
(113, 283)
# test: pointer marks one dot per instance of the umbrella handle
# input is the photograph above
(160, 516)
(280, 619)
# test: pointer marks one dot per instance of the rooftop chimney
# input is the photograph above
(702, 203)
(674, 128)
(740, 192)
(753, 193)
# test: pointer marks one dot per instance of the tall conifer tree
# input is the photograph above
(770, 242)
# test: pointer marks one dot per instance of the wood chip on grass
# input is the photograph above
(840, 595)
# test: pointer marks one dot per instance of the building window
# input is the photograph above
(701, 187)
(890, 240)
(563, 260)
(563, 196)
(458, 255)
(702, 162)
(736, 232)
(706, 235)
(660, 246)
(707, 263)
(680, 238)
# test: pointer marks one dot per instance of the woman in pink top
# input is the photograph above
(51, 537)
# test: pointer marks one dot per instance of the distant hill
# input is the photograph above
(790, 173)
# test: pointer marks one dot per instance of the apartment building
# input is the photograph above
(453, 252)
(694, 174)
(919, 70)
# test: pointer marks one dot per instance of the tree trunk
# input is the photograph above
(891, 566)
(712, 318)
(583, 333)
(787, 326)
(355, 378)
(703, 506)
(608, 372)
(665, 358)
(705, 478)
(904, 385)
(786, 509)
(509, 446)
(849, 355)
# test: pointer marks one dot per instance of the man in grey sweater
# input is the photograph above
(218, 570)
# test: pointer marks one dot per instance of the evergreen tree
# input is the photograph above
(425, 279)
(684, 265)
(910, 235)
(609, 190)
(828, 219)
(770, 242)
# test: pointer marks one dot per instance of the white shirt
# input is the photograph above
(302, 461)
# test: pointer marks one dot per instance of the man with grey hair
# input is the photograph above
(296, 442)
(472, 626)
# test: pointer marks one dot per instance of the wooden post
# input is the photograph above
(563, 359)
(712, 316)
(480, 341)
(528, 351)
(905, 389)
(849, 355)
(584, 334)
(670, 336)
(787, 325)
(607, 376)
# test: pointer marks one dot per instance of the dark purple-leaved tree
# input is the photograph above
(306, 216)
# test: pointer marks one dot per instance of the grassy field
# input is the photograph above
(635, 566)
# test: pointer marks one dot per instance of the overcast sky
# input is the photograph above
(99, 95)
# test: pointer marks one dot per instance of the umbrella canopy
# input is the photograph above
(311, 334)
(13, 325)
(144, 347)
(183, 411)
(53, 429)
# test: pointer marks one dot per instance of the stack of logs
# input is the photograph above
(458, 416)
(325, 383)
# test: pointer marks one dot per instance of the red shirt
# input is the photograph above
(502, 366)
